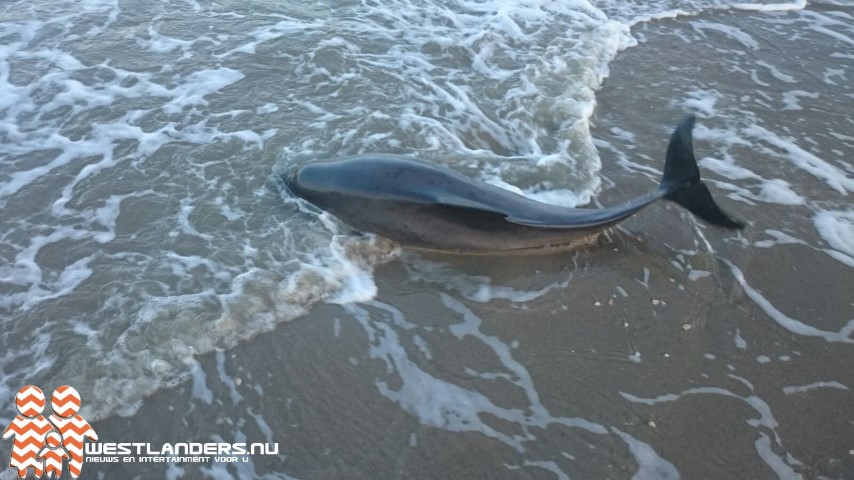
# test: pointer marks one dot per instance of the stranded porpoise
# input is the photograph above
(432, 207)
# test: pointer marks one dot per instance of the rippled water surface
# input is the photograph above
(149, 259)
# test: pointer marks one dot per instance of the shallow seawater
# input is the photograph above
(149, 259)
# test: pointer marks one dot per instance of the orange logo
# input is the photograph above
(43, 444)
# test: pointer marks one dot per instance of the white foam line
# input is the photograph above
(740, 342)
(755, 7)
(774, 461)
(790, 324)
(200, 388)
(433, 401)
(776, 73)
(476, 288)
(441, 404)
(832, 175)
(199, 84)
(766, 419)
(795, 389)
(183, 220)
(159, 43)
(837, 229)
(355, 280)
(548, 466)
(265, 429)
(173, 471)
(395, 314)
(39, 356)
(790, 98)
(828, 233)
(771, 7)
(69, 279)
(672, 397)
(734, 33)
(702, 101)
(539, 414)
(471, 327)
(665, 15)
(819, 19)
(226, 380)
(70, 150)
(651, 466)
(840, 257)
(271, 32)
(26, 270)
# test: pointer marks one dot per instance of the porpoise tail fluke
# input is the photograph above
(681, 181)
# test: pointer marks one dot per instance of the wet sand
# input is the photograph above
(628, 365)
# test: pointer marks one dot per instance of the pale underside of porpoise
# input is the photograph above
(433, 207)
